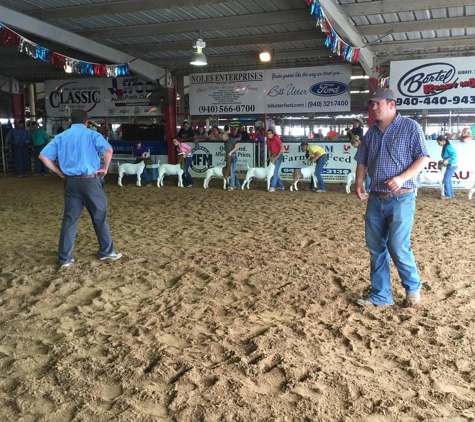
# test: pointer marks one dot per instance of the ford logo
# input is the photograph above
(412, 83)
(328, 89)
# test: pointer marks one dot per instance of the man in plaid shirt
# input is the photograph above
(393, 153)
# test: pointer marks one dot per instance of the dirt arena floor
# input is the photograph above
(230, 306)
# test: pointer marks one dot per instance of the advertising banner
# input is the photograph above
(340, 161)
(434, 83)
(211, 154)
(236, 93)
(64, 96)
(100, 97)
(464, 176)
(308, 89)
(295, 90)
(129, 97)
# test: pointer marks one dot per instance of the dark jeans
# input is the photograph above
(321, 162)
(20, 155)
(80, 193)
(187, 179)
(39, 166)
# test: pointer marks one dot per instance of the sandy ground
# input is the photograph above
(230, 306)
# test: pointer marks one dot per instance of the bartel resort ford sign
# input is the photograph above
(434, 84)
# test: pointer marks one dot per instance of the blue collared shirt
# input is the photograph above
(18, 136)
(387, 155)
(77, 150)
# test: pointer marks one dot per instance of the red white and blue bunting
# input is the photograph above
(70, 65)
(333, 41)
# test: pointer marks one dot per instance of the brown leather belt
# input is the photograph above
(84, 176)
(385, 195)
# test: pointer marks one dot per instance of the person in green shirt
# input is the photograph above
(39, 138)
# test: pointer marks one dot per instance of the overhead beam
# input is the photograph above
(417, 26)
(346, 30)
(381, 7)
(250, 57)
(225, 42)
(424, 44)
(200, 25)
(30, 25)
(115, 8)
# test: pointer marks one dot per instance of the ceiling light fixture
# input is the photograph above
(264, 56)
(198, 58)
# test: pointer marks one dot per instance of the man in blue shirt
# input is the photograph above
(19, 139)
(393, 153)
(77, 151)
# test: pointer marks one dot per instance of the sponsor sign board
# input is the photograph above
(308, 89)
(295, 90)
(434, 84)
(100, 97)
(236, 93)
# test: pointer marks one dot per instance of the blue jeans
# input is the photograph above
(187, 179)
(447, 182)
(40, 168)
(234, 181)
(20, 155)
(276, 182)
(80, 193)
(388, 224)
(321, 162)
(367, 184)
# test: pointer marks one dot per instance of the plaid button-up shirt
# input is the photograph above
(389, 154)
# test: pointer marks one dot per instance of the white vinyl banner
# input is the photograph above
(212, 154)
(100, 97)
(64, 96)
(235, 93)
(340, 160)
(464, 176)
(295, 90)
(308, 89)
(434, 83)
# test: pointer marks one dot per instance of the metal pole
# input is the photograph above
(3, 152)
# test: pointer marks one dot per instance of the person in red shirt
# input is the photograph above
(276, 149)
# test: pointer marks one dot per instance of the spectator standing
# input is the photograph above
(140, 152)
(215, 134)
(276, 150)
(243, 132)
(466, 135)
(252, 134)
(19, 139)
(230, 148)
(316, 154)
(260, 138)
(449, 160)
(357, 128)
(39, 138)
(77, 151)
(185, 134)
(393, 154)
(183, 148)
(200, 136)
